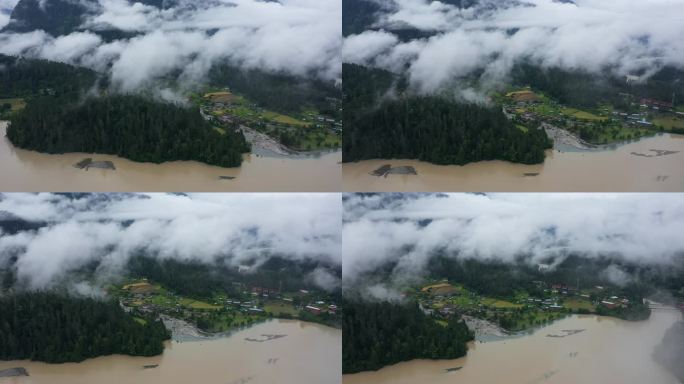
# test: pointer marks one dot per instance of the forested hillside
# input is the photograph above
(382, 333)
(428, 128)
(278, 92)
(56, 329)
(202, 280)
(129, 126)
(61, 17)
(588, 90)
(20, 77)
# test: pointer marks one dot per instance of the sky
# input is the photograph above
(409, 229)
(198, 227)
(623, 36)
(296, 37)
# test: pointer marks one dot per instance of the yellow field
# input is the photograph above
(16, 104)
(222, 97)
(440, 289)
(435, 286)
(141, 287)
(582, 115)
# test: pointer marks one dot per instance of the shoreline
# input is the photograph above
(272, 149)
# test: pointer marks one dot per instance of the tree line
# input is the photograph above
(429, 128)
(129, 126)
(377, 334)
(53, 328)
(20, 77)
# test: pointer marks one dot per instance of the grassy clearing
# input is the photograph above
(577, 304)
(283, 119)
(535, 319)
(621, 133)
(496, 303)
(279, 307)
(16, 104)
(140, 321)
(522, 128)
(196, 304)
(669, 122)
(220, 130)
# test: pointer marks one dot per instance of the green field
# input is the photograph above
(233, 319)
(620, 133)
(140, 321)
(577, 304)
(276, 307)
(669, 122)
(197, 304)
(283, 119)
(496, 303)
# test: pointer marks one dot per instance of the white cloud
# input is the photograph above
(297, 37)
(637, 228)
(621, 35)
(243, 228)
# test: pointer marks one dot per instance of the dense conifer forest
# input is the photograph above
(56, 329)
(21, 77)
(377, 334)
(428, 128)
(130, 126)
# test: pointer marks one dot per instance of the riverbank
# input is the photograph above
(265, 145)
(310, 353)
(594, 349)
(26, 171)
(614, 170)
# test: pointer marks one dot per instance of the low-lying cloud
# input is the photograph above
(243, 230)
(295, 37)
(622, 36)
(406, 231)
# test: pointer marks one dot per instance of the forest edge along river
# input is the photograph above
(24, 170)
(650, 164)
(576, 349)
(302, 353)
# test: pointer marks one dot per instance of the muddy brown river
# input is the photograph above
(631, 167)
(310, 353)
(30, 171)
(608, 350)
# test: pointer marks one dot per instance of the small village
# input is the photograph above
(146, 300)
(305, 132)
(522, 310)
(603, 126)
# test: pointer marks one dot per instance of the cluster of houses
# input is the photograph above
(215, 111)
